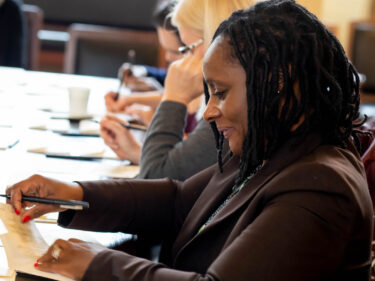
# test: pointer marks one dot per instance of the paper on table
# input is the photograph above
(118, 171)
(6, 272)
(75, 147)
(7, 138)
(7, 117)
(23, 244)
(48, 218)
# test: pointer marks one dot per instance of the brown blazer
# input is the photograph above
(306, 215)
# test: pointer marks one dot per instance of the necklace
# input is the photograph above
(235, 190)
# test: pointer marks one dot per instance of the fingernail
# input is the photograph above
(17, 212)
(26, 219)
(36, 264)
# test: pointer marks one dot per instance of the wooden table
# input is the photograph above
(26, 96)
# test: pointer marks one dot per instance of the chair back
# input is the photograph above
(34, 22)
(362, 51)
(368, 158)
(367, 151)
(100, 51)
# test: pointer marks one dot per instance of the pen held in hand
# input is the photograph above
(131, 61)
(117, 94)
(74, 157)
(66, 204)
(135, 127)
(129, 126)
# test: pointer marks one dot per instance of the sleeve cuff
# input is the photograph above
(65, 218)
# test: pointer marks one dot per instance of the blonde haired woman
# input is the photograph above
(203, 17)
(165, 152)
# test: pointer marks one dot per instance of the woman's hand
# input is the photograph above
(140, 84)
(43, 187)
(119, 139)
(69, 258)
(184, 80)
(143, 112)
(115, 103)
(133, 82)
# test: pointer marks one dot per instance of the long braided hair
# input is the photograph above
(296, 72)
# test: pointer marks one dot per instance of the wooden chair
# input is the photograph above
(361, 51)
(100, 51)
(368, 159)
(34, 22)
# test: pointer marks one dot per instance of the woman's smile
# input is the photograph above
(226, 131)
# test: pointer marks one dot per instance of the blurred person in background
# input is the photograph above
(136, 78)
(165, 152)
(12, 34)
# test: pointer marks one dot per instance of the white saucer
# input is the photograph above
(72, 117)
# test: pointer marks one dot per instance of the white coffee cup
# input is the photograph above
(78, 100)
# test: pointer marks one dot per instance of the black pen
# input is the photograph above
(75, 133)
(134, 127)
(66, 204)
(20, 275)
(117, 94)
(73, 157)
(131, 61)
(130, 126)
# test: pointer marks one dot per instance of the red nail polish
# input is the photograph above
(17, 212)
(36, 264)
(26, 219)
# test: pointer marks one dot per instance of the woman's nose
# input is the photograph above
(211, 112)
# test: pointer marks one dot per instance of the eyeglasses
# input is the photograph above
(189, 48)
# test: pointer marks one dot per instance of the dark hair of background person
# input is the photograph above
(280, 43)
(161, 17)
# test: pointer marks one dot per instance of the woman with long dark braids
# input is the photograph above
(327, 97)
(290, 202)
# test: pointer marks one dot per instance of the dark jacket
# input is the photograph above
(12, 35)
(306, 215)
(158, 73)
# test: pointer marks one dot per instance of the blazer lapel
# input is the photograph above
(216, 191)
(212, 197)
(285, 156)
(288, 154)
